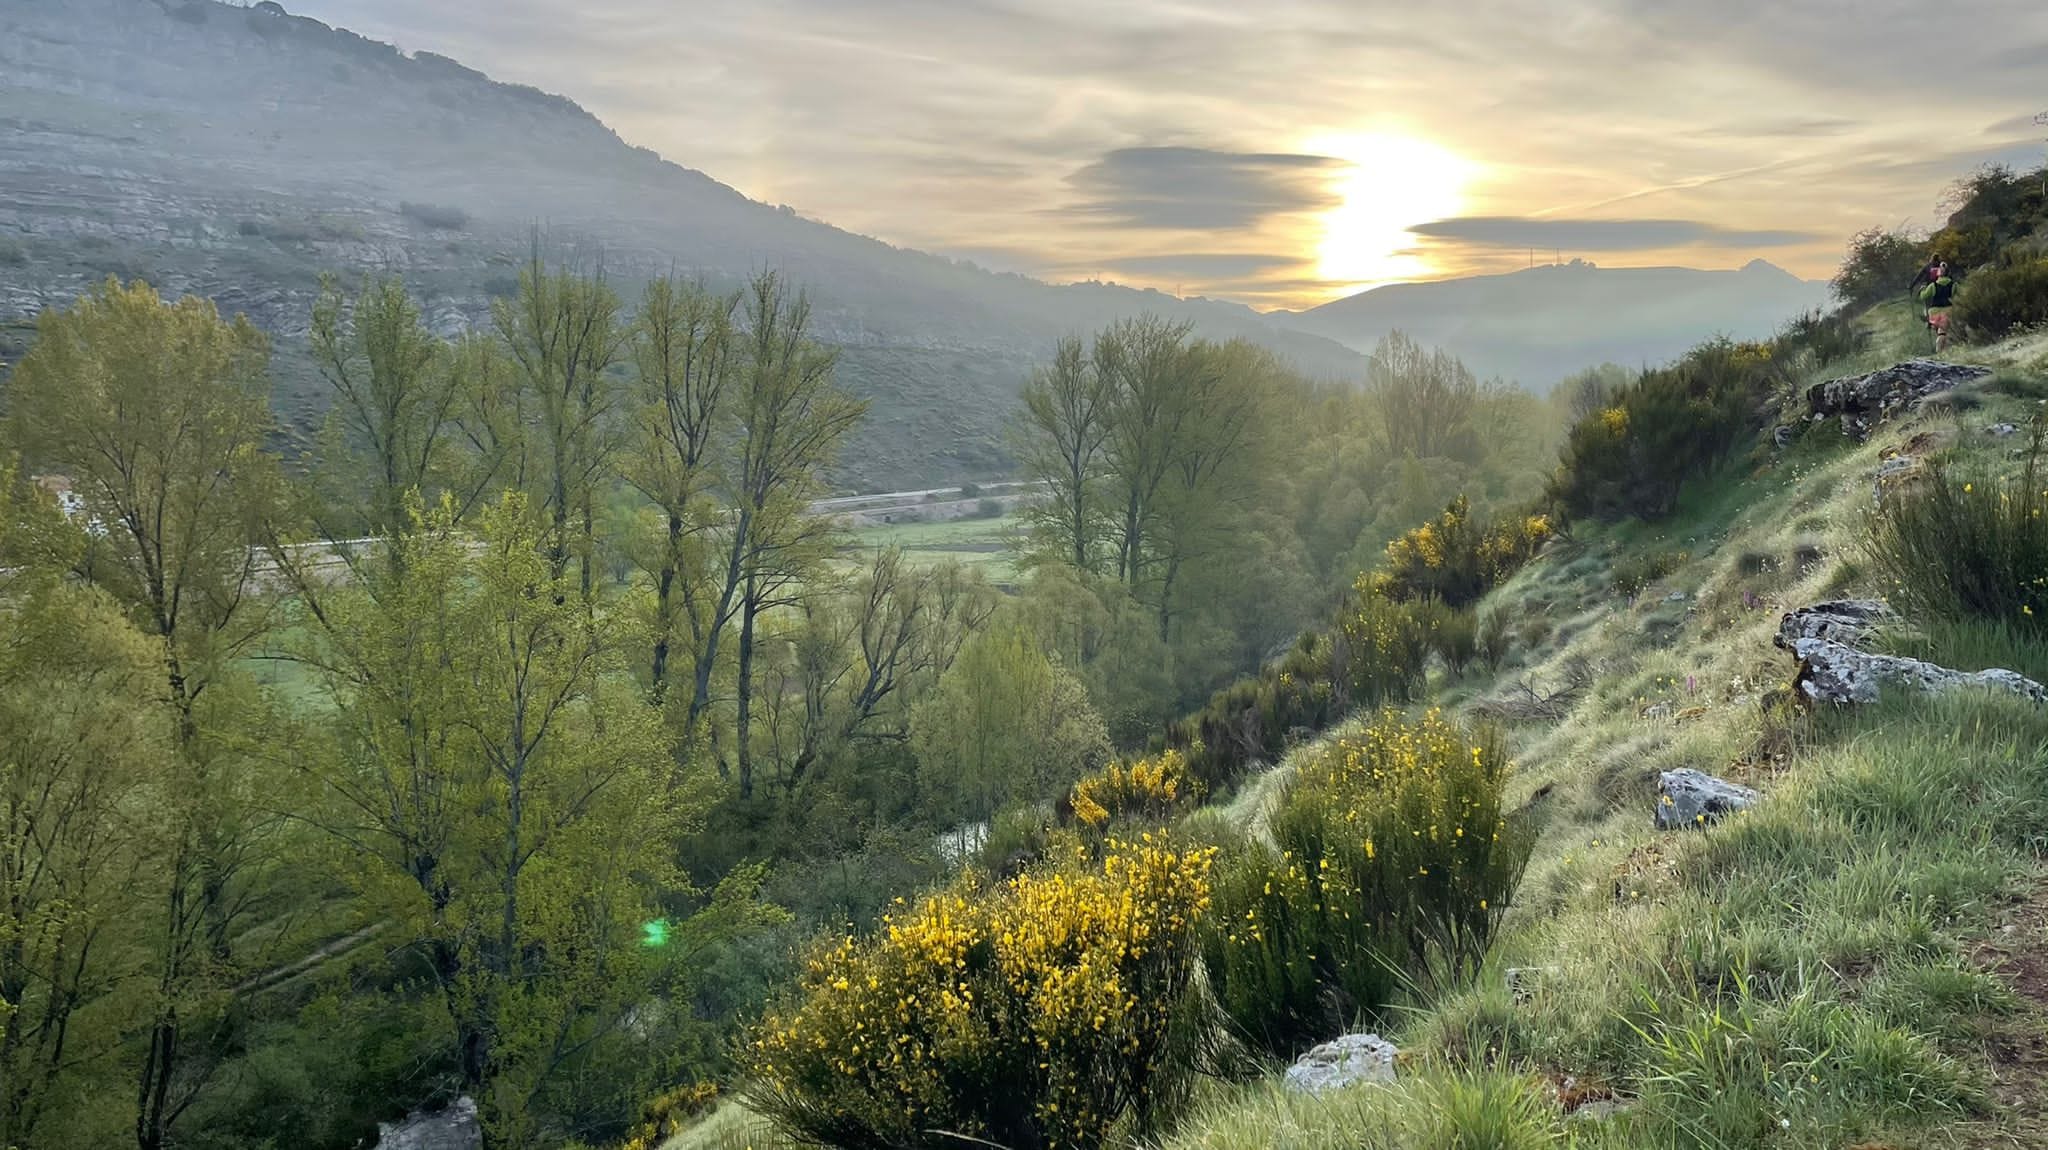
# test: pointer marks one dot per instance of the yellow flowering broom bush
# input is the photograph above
(1455, 560)
(1036, 1014)
(1148, 790)
(1393, 860)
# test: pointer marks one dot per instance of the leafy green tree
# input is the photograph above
(1007, 724)
(85, 757)
(1152, 375)
(562, 334)
(157, 412)
(504, 790)
(1425, 399)
(844, 674)
(792, 418)
(685, 355)
(394, 420)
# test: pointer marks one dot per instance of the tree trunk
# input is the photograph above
(748, 608)
(664, 598)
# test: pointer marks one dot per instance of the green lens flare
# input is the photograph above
(654, 932)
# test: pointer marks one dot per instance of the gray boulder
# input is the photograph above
(452, 1128)
(1348, 1061)
(1862, 400)
(1844, 621)
(1689, 799)
(1830, 672)
(2001, 430)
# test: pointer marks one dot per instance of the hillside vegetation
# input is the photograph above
(1853, 960)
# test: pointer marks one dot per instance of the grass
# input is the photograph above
(1846, 965)
(978, 543)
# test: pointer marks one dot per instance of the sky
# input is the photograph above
(1286, 152)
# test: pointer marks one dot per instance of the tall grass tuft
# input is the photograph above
(1954, 548)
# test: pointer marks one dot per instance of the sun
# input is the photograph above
(1393, 183)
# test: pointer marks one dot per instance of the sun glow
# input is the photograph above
(1394, 183)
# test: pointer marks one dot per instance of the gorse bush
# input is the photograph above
(1951, 548)
(1388, 647)
(1036, 1014)
(1453, 634)
(1453, 559)
(1670, 427)
(1151, 789)
(2011, 294)
(1394, 860)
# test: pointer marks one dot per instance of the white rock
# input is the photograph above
(1832, 673)
(1348, 1061)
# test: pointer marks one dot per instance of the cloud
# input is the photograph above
(1805, 129)
(1199, 189)
(1511, 232)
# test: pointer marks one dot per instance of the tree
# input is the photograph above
(397, 400)
(504, 791)
(563, 335)
(1061, 435)
(1425, 400)
(1150, 373)
(1006, 724)
(157, 412)
(684, 356)
(859, 655)
(1212, 477)
(82, 768)
(791, 418)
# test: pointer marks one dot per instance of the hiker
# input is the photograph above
(1937, 298)
(1936, 268)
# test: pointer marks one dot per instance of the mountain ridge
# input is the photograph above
(1540, 324)
(239, 153)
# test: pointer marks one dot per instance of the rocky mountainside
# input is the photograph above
(1540, 325)
(240, 152)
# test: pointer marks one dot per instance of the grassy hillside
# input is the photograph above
(1855, 962)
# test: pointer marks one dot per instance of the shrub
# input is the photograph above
(1827, 336)
(1038, 1013)
(1453, 559)
(1146, 790)
(1879, 266)
(2011, 294)
(1254, 719)
(1496, 639)
(439, 217)
(988, 509)
(1955, 549)
(1017, 838)
(1673, 425)
(1388, 644)
(1394, 860)
(1453, 635)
